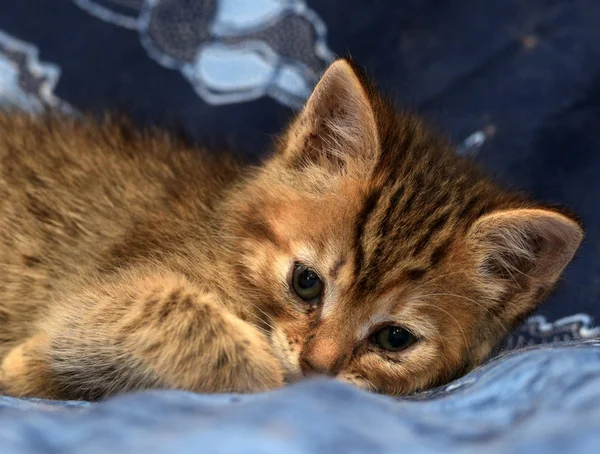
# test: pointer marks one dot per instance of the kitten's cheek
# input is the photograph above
(288, 356)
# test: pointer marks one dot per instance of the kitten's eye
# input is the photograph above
(394, 338)
(306, 283)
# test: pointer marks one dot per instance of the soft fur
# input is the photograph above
(130, 260)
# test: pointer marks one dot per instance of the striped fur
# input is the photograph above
(129, 260)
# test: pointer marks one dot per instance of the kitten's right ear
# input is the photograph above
(337, 126)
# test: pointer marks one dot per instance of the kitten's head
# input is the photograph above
(372, 253)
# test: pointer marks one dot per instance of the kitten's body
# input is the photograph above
(130, 260)
(79, 195)
(130, 202)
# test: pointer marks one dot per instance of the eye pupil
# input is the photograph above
(306, 283)
(307, 279)
(394, 338)
(397, 336)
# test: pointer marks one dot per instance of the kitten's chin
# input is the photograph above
(288, 358)
(291, 374)
(358, 382)
(291, 378)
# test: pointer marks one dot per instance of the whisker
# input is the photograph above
(495, 318)
(262, 321)
(443, 276)
(449, 315)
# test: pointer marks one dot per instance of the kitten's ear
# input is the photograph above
(528, 247)
(337, 126)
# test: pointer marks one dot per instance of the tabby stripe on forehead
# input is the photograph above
(434, 205)
(393, 159)
(470, 205)
(405, 208)
(401, 216)
(361, 222)
(439, 252)
(395, 216)
(385, 225)
(416, 223)
(434, 228)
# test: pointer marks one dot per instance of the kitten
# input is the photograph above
(362, 249)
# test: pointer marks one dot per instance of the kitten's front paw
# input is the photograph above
(24, 371)
(154, 332)
(194, 343)
(248, 361)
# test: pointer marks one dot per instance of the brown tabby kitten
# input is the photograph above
(363, 249)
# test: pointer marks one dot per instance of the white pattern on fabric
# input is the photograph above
(228, 51)
(538, 330)
(25, 82)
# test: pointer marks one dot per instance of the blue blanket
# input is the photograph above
(545, 399)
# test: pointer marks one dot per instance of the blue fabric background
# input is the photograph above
(544, 400)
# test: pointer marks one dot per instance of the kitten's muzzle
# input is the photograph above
(309, 370)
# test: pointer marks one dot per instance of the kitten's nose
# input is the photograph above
(321, 356)
(310, 370)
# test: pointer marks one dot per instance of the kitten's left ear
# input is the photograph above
(337, 125)
(529, 247)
